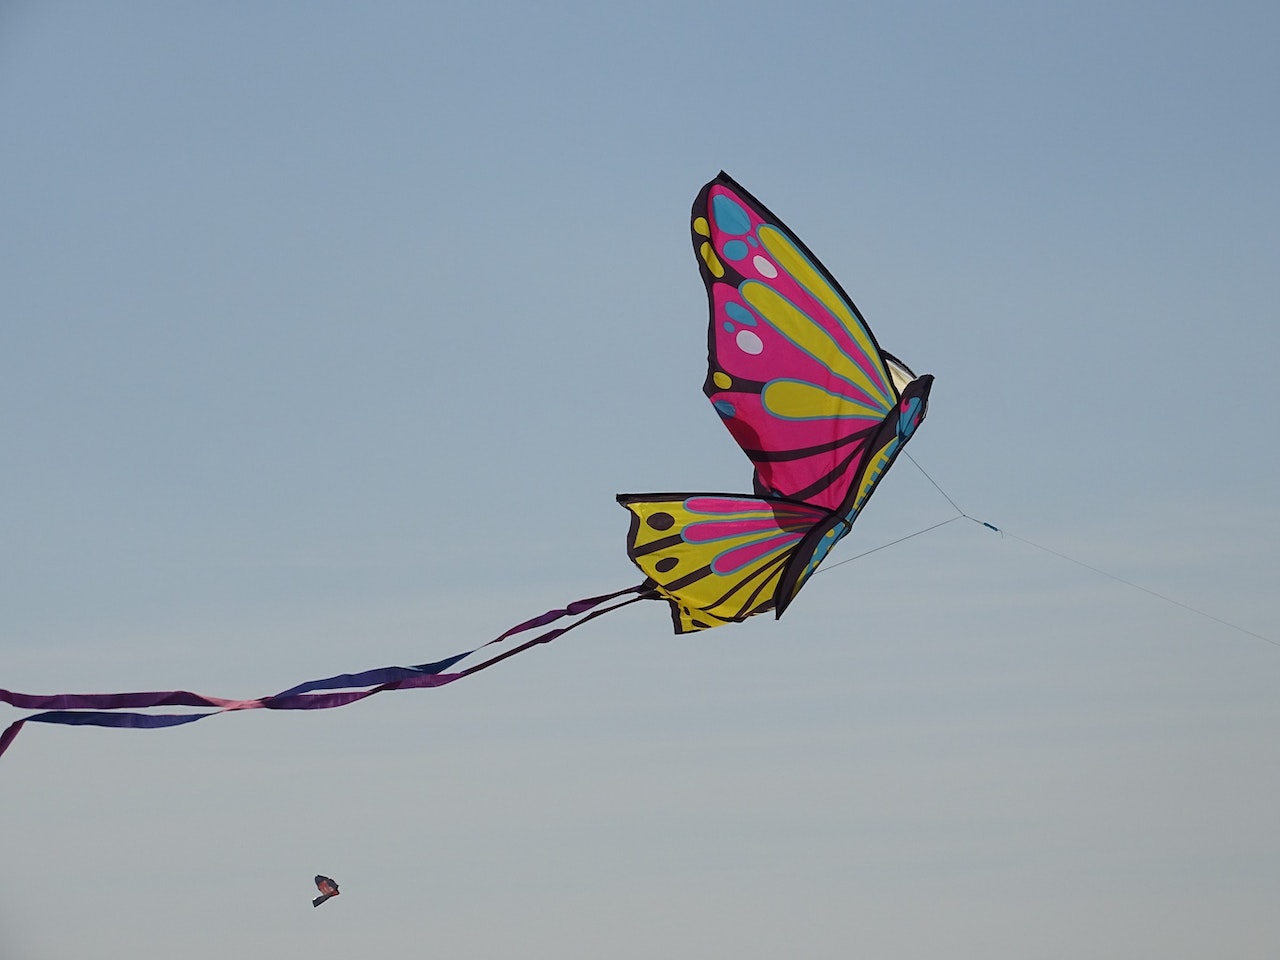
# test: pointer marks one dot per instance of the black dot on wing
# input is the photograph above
(666, 564)
(662, 521)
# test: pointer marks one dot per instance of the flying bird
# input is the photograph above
(328, 888)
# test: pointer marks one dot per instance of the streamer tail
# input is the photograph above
(120, 710)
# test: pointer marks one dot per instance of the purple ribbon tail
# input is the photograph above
(94, 709)
(10, 732)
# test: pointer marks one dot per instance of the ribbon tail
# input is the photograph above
(99, 710)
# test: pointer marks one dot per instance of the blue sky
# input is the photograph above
(330, 332)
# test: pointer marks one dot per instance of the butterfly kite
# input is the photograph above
(796, 376)
(328, 888)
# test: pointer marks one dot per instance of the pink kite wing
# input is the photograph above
(794, 372)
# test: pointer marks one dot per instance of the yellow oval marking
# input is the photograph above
(712, 261)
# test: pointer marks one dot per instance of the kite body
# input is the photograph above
(801, 384)
(328, 888)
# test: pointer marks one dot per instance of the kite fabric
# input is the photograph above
(328, 888)
(796, 376)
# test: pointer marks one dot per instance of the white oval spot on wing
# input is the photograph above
(748, 342)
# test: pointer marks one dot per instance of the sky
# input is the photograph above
(330, 332)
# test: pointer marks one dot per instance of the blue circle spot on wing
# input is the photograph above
(739, 314)
(734, 250)
(725, 408)
(728, 327)
(730, 217)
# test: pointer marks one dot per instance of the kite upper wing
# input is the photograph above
(794, 371)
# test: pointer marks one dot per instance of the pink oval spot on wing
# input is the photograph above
(748, 342)
(723, 505)
(707, 531)
(733, 560)
(765, 268)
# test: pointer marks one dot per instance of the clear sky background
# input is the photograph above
(328, 332)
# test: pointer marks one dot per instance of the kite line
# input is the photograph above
(893, 543)
(961, 515)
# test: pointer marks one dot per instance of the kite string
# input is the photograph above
(964, 515)
(1146, 590)
(1080, 563)
(960, 515)
(943, 523)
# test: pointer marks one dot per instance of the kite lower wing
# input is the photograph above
(717, 558)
